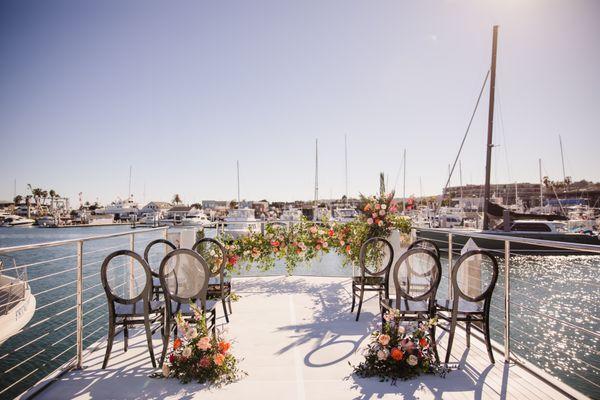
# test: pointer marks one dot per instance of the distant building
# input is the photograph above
(155, 207)
(213, 204)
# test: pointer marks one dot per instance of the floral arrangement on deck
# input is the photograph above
(199, 356)
(396, 354)
(306, 240)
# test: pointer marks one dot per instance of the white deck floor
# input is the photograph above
(296, 337)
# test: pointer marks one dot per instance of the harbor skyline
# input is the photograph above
(180, 102)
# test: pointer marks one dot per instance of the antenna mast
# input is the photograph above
(316, 170)
(562, 157)
(488, 160)
(346, 161)
(238, 180)
(404, 184)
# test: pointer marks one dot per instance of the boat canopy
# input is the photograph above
(497, 211)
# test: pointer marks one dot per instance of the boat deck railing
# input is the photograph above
(549, 335)
(70, 312)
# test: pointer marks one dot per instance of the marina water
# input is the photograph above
(566, 288)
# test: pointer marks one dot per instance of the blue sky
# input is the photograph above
(182, 90)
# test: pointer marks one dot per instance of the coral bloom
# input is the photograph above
(204, 362)
(397, 354)
(224, 347)
(384, 339)
(423, 342)
(219, 359)
(176, 344)
(203, 343)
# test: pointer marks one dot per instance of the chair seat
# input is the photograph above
(368, 280)
(408, 306)
(136, 309)
(156, 281)
(464, 307)
(186, 308)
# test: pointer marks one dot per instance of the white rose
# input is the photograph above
(166, 370)
(401, 330)
(187, 352)
(383, 206)
(382, 354)
(412, 360)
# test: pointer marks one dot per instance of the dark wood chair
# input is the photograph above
(376, 257)
(218, 287)
(472, 297)
(416, 276)
(159, 248)
(128, 288)
(425, 244)
(184, 276)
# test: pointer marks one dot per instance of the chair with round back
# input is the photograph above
(127, 282)
(473, 278)
(216, 256)
(376, 257)
(154, 252)
(184, 277)
(416, 276)
(425, 244)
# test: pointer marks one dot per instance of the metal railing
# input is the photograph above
(69, 313)
(511, 295)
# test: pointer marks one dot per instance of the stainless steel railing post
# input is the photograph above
(506, 301)
(131, 265)
(449, 265)
(79, 344)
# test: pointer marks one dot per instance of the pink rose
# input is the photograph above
(204, 343)
(384, 339)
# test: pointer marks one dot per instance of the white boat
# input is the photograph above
(344, 214)
(15, 220)
(17, 303)
(291, 214)
(241, 221)
(49, 221)
(121, 209)
(196, 218)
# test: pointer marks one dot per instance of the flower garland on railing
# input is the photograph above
(396, 354)
(199, 356)
(305, 240)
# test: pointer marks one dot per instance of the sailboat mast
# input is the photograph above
(541, 184)
(129, 191)
(238, 180)
(488, 159)
(562, 158)
(460, 176)
(346, 163)
(316, 170)
(404, 184)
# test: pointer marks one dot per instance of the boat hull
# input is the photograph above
(460, 238)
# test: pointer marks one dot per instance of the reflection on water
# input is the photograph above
(561, 287)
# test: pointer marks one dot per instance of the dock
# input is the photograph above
(297, 337)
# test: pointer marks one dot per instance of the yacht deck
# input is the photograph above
(296, 337)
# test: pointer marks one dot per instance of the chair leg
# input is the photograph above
(225, 309)
(229, 302)
(434, 343)
(468, 329)
(488, 342)
(125, 336)
(353, 298)
(450, 339)
(149, 339)
(360, 302)
(214, 322)
(109, 343)
(165, 338)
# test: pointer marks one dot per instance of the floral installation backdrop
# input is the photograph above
(306, 240)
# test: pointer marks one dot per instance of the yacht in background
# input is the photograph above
(291, 214)
(240, 222)
(17, 303)
(344, 214)
(15, 220)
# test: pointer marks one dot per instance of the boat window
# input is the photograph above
(531, 227)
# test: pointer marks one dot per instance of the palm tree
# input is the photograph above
(18, 199)
(176, 199)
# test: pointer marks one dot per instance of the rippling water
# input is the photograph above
(562, 287)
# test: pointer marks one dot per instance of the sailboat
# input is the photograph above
(532, 226)
(240, 221)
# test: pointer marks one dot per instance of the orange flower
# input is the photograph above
(224, 347)
(176, 344)
(219, 359)
(423, 342)
(367, 207)
(397, 354)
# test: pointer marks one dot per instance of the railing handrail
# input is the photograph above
(11, 249)
(517, 239)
